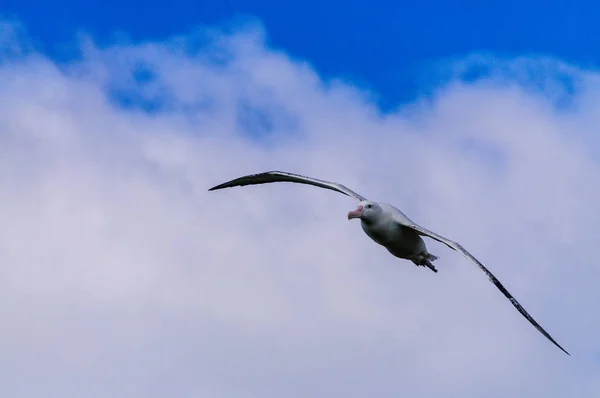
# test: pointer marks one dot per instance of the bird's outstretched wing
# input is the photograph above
(491, 277)
(282, 176)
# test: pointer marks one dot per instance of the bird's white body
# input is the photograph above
(399, 240)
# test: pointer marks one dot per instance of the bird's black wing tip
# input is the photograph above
(563, 350)
(217, 187)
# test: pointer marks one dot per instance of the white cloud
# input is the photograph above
(122, 276)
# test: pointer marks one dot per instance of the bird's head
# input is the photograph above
(366, 211)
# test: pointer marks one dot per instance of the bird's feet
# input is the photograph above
(428, 264)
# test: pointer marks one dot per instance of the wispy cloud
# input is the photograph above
(122, 276)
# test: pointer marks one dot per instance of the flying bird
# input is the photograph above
(389, 227)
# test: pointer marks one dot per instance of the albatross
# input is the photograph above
(389, 227)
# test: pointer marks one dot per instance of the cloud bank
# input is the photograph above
(121, 276)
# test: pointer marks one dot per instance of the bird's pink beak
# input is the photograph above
(356, 213)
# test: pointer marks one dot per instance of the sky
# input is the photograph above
(122, 276)
(388, 47)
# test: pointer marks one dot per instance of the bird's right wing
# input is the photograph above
(282, 176)
(457, 247)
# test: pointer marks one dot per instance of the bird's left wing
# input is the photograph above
(284, 176)
(457, 247)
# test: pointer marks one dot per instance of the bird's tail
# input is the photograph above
(426, 261)
(430, 257)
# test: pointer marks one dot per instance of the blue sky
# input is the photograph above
(388, 48)
(121, 275)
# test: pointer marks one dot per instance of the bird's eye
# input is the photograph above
(368, 206)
